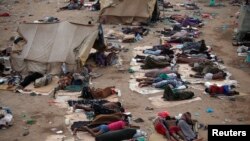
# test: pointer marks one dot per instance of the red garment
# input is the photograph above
(214, 89)
(116, 125)
(160, 128)
(4, 14)
(174, 130)
(163, 114)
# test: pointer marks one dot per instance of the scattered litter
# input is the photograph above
(138, 120)
(26, 132)
(59, 132)
(53, 129)
(228, 120)
(31, 121)
(197, 114)
(210, 110)
(149, 108)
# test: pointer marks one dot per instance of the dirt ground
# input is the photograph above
(49, 116)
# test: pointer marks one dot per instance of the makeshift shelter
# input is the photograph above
(128, 11)
(50, 45)
(243, 35)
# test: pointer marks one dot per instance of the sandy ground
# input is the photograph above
(49, 116)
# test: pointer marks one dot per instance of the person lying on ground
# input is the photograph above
(203, 68)
(160, 58)
(29, 79)
(194, 47)
(187, 126)
(209, 76)
(118, 125)
(156, 72)
(227, 90)
(102, 108)
(152, 62)
(187, 60)
(168, 128)
(175, 83)
(73, 5)
(163, 76)
(175, 95)
(99, 93)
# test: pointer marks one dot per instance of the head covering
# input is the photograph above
(163, 114)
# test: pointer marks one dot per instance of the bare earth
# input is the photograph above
(49, 116)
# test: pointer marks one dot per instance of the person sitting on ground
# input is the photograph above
(227, 90)
(73, 4)
(209, 76)
(186, 124)
(5, 117)
(102, 108)
(117, 125)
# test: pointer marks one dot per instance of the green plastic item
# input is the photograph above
(30, 121)
(131, 70)
(212, 3)
(141, 139)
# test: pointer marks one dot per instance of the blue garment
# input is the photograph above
(156, 52)
(226, 89)
(164, 83)
(187, 130)
(159, 79)
(103, 128)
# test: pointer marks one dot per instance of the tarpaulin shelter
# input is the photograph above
(128, 11)
(50, 45)
(243, 34)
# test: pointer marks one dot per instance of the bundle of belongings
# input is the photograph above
(6, 117)
(73, 5)
(178, 128)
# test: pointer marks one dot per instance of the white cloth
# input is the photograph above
(208, 76)
(6, 119)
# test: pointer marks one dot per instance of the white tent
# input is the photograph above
(49, 45)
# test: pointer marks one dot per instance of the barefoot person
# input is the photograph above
(102, 108)
(118, 125)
